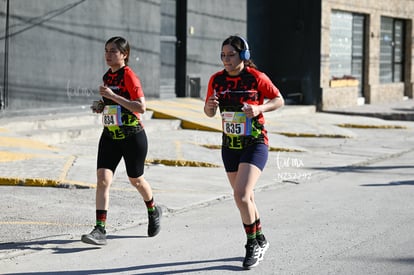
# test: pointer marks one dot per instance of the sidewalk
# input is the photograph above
(184, 165)
(401, 110)
(43, 150)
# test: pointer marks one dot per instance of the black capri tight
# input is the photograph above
(133, 149)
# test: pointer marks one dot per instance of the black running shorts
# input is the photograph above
(133, 149)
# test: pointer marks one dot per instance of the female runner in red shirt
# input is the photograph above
(239, 91)
(123, 136)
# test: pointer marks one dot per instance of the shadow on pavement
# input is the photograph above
(405, 260)
(404, 109)
(393, 183)
(138, 268)
(355, 168)
(38, 245)
(112, 237)
(45, 245)
(398, 260)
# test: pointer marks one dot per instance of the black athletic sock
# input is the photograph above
(250, 230)
(150, 205)
(101, 218)
(259, 232)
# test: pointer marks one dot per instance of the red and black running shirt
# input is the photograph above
(125, 83)
(251, 86)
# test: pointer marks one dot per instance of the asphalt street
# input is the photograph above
(355, 221)
(335, 198)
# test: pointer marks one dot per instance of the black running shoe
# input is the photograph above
(154, 222)
(97, 236)
(264, 245)
(252, 254)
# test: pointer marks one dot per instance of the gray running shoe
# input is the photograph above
(154, 222)
(97, 236)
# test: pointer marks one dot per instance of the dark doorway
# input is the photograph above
(173, 48)
(181, 50)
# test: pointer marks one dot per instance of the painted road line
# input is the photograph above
(24, 143)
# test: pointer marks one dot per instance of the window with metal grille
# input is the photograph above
(392, 50)
(347, 46)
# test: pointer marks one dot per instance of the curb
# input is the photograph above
(185, 124)
(385, 116)
(62, 183)
(43, 182)
(371, 126)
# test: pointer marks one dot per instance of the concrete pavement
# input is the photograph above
(184, 165)
(37, 150)
(346, 220)
(58, 149)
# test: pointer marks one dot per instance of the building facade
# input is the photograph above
(326, 53)
(375, 49)
(52, 52)
(338, 53)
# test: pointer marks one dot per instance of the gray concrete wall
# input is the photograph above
(56, 47)
(208, 24)
(56, 52)
(56, 55)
